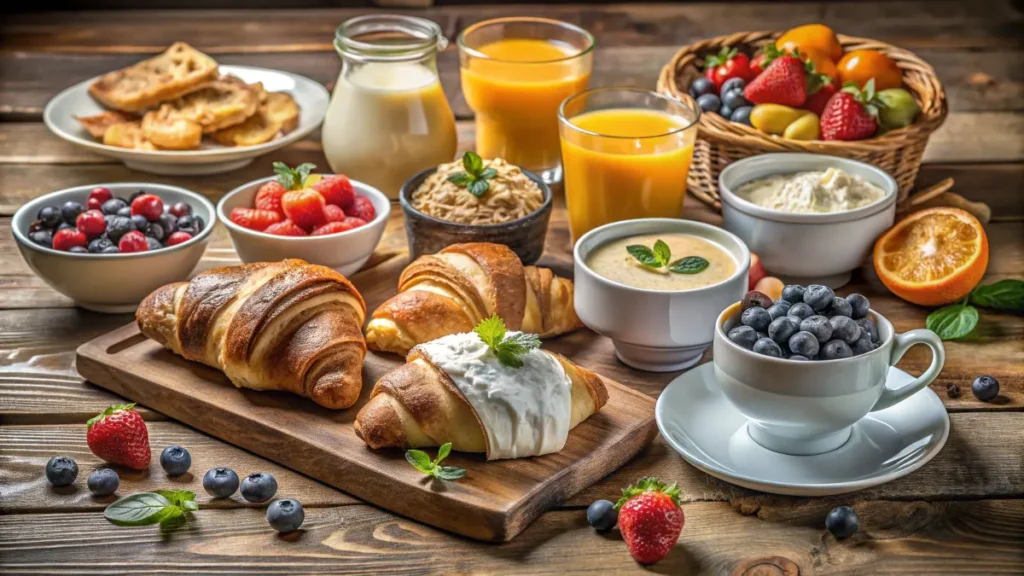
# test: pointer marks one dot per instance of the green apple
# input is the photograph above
(898, 108)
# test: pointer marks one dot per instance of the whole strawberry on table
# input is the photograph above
(118, 435)
(648, 516)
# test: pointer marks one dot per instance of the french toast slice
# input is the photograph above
(97, 124)
(127, 135)
(216, 105)
(282, 107)
(180, 69)
(171, 133)
(259, 128)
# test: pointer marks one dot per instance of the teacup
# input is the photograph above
(802, 408)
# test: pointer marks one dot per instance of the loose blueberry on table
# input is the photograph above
(602, 515)
(258, 487)
(285, 515)
(220, 482)
(985, 388)
(842, 522)
(103, 482)
(61, 471)
(175, 460)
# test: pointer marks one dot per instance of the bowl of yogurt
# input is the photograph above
(811, 218)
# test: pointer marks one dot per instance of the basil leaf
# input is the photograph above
(488, 173)
(478, 187)
(190, 505)
(443, 452)
(689, 265)
(662, 252)
(175, 517)
(450, 473)
(644, 255)
(472, 162)
(139, 509)
(460, 179)
(953, 322)
(419, 460)
(1005, 295)
(177, 497)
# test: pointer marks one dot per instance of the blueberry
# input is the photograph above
(985, 388)
(50, 216)
(701, 86)
(135, 195)
(953, 391)
(156, 231)
(842, 522)
(220, 482)
(757, 318)
(70, 210)
(819, 326)
(119, 226)
(182, 208)
(111, 250)
(767, 347)
(42, 237)
(107, 218)
(103, 482)
(285, 515)
(800, 311)
(869, 327)
(126, 212)
(844, 329)
(96, 245)
(64, 225)
(168, 222)
(741, 115)
(188, 224)
(859, 305)
(709, 103)
(799, 358)
(835, 349)
(778, 310)
(602, 515)
(725, 112)
(78, 250)
(733, 84)
(782, 328)
(839, 307)
(803, 344)
(140, 222)
(755, 298)
(863, 345)
(793, 293)
(734, 98)
(198, 224)
(744, 336)
(818, 297)
(259, 487)
(61, 471)
(153, 244)
(761, 335)
(175, 460)
(112, 206)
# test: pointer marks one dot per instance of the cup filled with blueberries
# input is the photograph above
(107, 246)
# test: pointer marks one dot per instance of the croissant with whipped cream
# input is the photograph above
(459, 389)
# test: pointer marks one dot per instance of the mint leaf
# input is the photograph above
(1007, 295)
(491, 330)
(460, 178)
(689, 265)
(518, 345)
(662, 253)
(509, 350)
(443, 452)
(508, 358)
(644, 255)
(473, 163)
(488, 173)
(953, 322)
(478, 187)
(419, 460)
(140, 510)
(449, 472)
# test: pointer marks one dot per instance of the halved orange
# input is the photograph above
(933, 257)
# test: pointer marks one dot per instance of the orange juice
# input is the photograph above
(632, 165)
(515, 92)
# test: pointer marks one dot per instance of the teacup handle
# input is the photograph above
(902, 343)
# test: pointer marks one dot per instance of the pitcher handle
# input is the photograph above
(902, 343)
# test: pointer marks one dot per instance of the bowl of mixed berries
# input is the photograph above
(107, 246)
(323, 219)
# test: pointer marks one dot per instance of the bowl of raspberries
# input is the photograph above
(107, 246)
(324, 219)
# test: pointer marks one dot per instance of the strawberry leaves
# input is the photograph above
(168, 508)
(723, 56)
(648, 484)
(421, 461)
(866, 96)
(110, 410)
(509, 350)
(292, 178)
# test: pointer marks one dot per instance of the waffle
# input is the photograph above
(140, 86)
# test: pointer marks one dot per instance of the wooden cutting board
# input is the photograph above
(495, 501)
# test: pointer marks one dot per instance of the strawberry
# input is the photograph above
(363, 208)
(304, 207)
(336, 190)
(783, 82)
(285, 228)
(334, 213)
(728, 63)
(762, 60)
(254, 219)
(650, 519)
(268, 197)
(851, 113)
(118, 435)
(334, 227)
(816, 101)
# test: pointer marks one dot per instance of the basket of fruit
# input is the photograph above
(805, 90)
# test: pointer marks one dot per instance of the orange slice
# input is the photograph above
(932, 257)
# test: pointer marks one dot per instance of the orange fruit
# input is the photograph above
(822, 63)
(933, 257)
(811, 36)
(860, 66)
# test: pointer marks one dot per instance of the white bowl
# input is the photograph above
(113, 283)
(806, 248)
(656, 330)
(311, 97)
(345, 252)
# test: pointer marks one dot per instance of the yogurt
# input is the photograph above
(828, 191)
(524, 411)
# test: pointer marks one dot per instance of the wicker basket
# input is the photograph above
(720, 141)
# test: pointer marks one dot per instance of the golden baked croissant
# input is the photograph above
(454, 390)
(283, 325)
(453, 290)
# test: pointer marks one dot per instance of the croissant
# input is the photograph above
(454, 390)
(283, 325)
(452, 291)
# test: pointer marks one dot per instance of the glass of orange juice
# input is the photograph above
(626, 153)
(515, 73)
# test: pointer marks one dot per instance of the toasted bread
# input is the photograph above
(171, 133)
(216, 105)
(258, 87)
(127, 135)
(260, 128)
(282, 107)
(140, 86)
(97, 124)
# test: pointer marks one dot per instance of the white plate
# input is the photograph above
(311, 97)
(701, 424)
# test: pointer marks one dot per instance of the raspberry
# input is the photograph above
(254, 219)
(269, 196)
(304, 207)
(336, 190)
(345, 225)
(285, 228)
(363, 208)
(333, 213)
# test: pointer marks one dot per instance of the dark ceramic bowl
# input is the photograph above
(428, 235)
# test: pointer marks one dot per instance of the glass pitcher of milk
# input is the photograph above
(388, 118)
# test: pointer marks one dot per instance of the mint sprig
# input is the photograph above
(510, 350)
(292, 178)
(959, 320)
(421, 461)
(476, 175)
(167, 508)
(660, 256)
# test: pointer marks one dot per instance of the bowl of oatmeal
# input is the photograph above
(450, 204)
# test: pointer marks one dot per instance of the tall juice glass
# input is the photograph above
(515, 73)
(626, 154)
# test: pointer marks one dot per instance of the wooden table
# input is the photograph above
(961, 513)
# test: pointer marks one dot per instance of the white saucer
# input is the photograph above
(698, 421)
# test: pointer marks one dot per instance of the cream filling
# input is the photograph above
(828, 191)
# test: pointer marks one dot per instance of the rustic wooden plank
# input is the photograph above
(895, 538)
(25, 451)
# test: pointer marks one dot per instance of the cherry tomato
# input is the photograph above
(860, 66)
(812, 36)
(728, 63)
